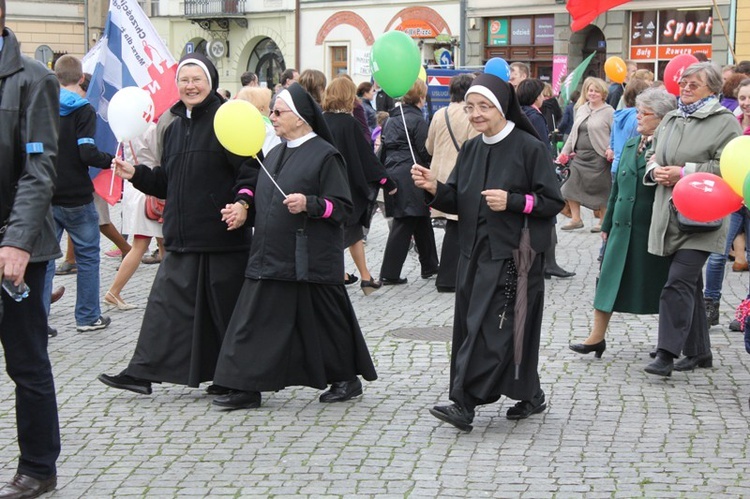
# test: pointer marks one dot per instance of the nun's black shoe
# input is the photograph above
(693, 361)
(557, 272)
(237, 399)
(342, 391)
(661, 366)
(123, 381)
(525, 408)
(582, 348)
(428, 274)
(217, 390)
(653, 353)
(455, 415)
(385, 281)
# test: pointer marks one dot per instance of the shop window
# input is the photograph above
(526, 39)
(339, 61)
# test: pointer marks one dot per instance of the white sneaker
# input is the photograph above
(100, 323)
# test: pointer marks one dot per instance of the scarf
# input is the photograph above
(688, 109)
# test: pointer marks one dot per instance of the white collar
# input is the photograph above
(509, 126)
(291, 144)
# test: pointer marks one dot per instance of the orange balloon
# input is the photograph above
(616, 69)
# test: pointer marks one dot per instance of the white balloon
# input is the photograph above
(129, 113)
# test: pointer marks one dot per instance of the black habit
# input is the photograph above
(482, 364)
(294, 323)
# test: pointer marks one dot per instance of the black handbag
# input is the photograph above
(690, 226)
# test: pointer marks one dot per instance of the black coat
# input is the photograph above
(285, 243)
(520, 165)
(198, 177)
(537, 120)
(363, 168)
(29, 114)
(397, 158)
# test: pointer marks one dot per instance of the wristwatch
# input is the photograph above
(244, 204)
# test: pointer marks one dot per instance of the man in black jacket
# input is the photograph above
(28, 146)
(73, 202)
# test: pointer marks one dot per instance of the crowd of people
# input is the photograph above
(250, 295)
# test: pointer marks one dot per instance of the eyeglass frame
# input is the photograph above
(198, 80)
(482, 108)
(277, 112)
(691, 85)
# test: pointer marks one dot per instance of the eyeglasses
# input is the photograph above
(191, 81)
(691, 85)
(643, 113)
(277, 112)
(482, 108)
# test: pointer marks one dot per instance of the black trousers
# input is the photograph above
(683, 327)
(446, 277)
(397, 246)
(23, 332)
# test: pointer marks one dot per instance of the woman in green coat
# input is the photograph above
(631, 279)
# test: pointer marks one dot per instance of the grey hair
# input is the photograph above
(711, 74)
(657, 100)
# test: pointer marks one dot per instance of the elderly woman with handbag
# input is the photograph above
(690, 139)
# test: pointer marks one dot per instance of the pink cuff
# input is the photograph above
(329, 209)
(383, 181)
(682, 172)
(246, 191)
(529, 203)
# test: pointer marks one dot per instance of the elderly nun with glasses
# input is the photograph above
(506, 195)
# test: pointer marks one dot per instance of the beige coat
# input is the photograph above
(696, 143)
(600, 123)
(440, 144)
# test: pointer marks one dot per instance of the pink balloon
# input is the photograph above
(705, 197)
(673, 72)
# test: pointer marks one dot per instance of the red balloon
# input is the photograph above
(673, 72)
(705, 197)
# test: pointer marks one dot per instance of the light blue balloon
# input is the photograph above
(499, 67)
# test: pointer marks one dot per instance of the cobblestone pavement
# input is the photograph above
(610, 430)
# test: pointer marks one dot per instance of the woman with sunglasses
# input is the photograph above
(689, 139)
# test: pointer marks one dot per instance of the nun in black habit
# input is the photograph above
(197, 284)
(503, 181)
(294, 323)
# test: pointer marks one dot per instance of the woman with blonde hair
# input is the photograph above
(590, 181)
(261, 98)
(365, 172)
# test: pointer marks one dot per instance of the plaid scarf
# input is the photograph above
(645, 143)
(688, 109)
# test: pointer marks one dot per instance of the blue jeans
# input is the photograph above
(717, 261)
(82, 224)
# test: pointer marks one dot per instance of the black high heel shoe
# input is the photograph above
(598, 348)
(369, 286)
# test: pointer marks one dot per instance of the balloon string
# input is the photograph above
(406, 131)
(121, 152)
(271, 177)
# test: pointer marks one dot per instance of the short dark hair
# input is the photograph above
(363, 88)
(522, 67)
(287, 75)
(459, 85)
(247, 78)
(68, 70)
(632, 90)
(744, 67)
(528, 91)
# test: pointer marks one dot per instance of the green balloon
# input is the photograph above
(395, 62)
(746, 190)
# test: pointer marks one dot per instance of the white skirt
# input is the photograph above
(134, 221)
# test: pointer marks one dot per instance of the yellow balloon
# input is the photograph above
(240, 128)
(422, 74)
(735, 162)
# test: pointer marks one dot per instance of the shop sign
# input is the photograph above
(520, 31)
(417, 28)
(544, 30)
(497, 32)
(643, 52)
(685, 26)
(643, 28)
(670, 51)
